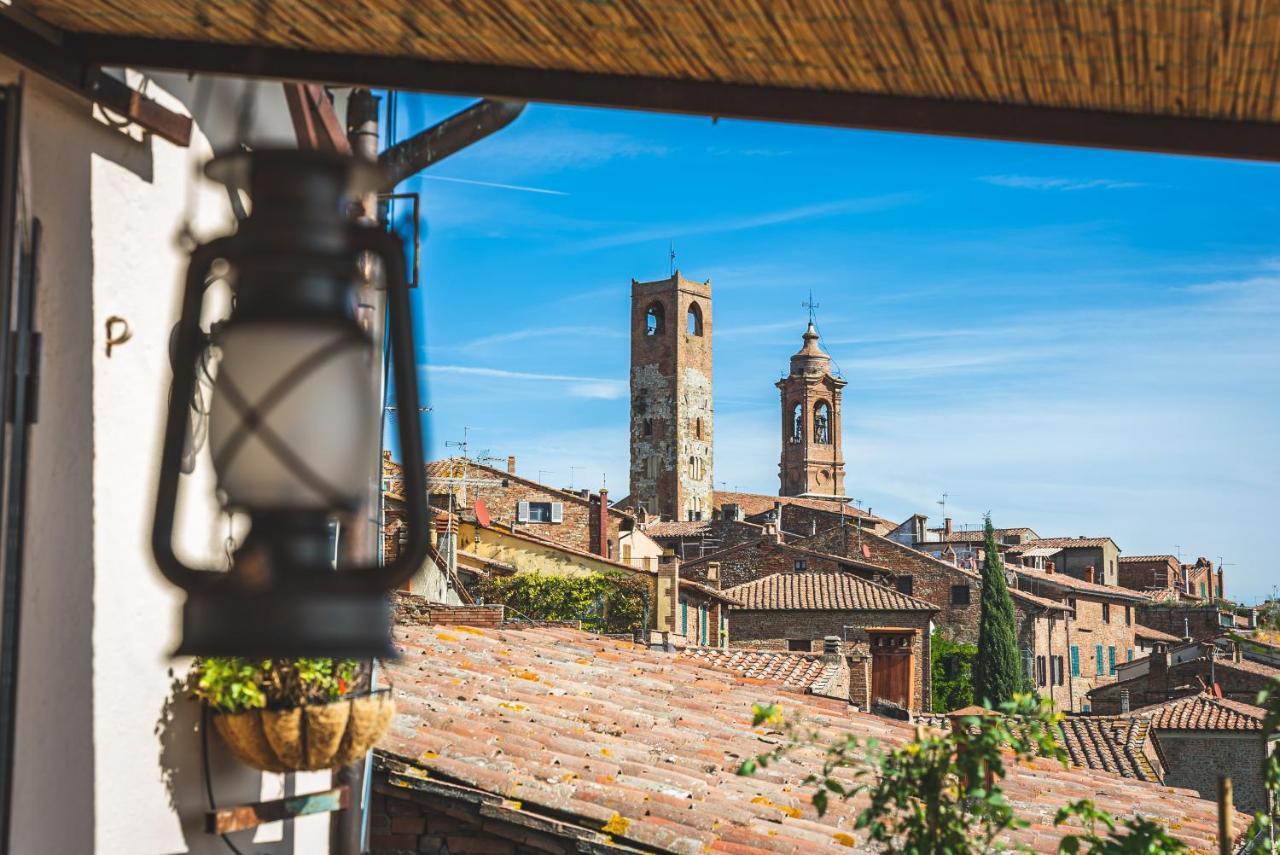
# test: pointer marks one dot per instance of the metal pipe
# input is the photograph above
(428, 147)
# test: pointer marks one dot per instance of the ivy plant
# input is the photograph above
(612, 601)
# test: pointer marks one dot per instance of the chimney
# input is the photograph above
(1237, 651)
(1124, 700)
(713, 575)
(511, 464)
(664, 613)
(598, 523)
(831, 649)
(731, 512)
(1221, 591)
(1088, 573)
(1158, 671)
(946, 526)
(772, 532)
(1048, 567)
(777, 513)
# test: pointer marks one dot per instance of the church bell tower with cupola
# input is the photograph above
(812, 461)
(671, 413)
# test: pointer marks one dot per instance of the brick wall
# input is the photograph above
(402, 821)
(720, 534)
(1202, 622)
(763, 558)
(1089, 631)
(774, 628)
(1159, 572)
(931, 579)
(410, 609)
(1195, 760)
(503, 498)
(1160, 684)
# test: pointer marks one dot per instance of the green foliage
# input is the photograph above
(1263, 827)
(614, 601)
(230, 684)
(997, 671)
(952, 673)
(1141, 836)
(941, 792)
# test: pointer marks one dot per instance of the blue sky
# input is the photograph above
(1083, 342)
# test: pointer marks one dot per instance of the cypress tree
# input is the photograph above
(997, 670)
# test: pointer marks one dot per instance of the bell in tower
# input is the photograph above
(812, 462)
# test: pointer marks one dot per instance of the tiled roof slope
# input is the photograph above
(977, 535)
(1109, 743)
(1063, 542)
(758, 503)
(822, 591)
(607, 733)
(1063, 580)
(801, 671)
(1203, 712)
(1146, 559)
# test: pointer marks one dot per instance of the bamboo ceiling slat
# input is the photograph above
(1197, 58)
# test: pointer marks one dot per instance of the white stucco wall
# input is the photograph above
(108, 753)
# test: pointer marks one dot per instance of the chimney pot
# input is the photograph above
(946, 526)
(1089, 573)
(1237, 651)
(830, 648)
(511, 464)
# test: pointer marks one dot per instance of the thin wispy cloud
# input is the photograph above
(1035, 182)
(576, 333)
(863, 205)
(579, 387)
(496, 185)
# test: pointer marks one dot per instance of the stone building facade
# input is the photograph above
(798, 610)
(672, 418)
(1197, 622)
(766, 556)
(1237, 679)
(812, 462)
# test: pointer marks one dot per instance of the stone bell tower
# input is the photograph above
(671, 414)
(812, 462)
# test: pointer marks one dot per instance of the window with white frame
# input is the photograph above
(540, 512)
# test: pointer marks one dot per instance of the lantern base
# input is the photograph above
(286, 624)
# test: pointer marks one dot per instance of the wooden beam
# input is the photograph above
(314, 120)
(117, 97)
(242, 817)
(976, 119)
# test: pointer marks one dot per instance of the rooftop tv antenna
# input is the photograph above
(943, 504)
(671, 259)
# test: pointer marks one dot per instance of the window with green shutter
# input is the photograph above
(1128, 655)
(684, 617)
(1111, 659)
(1097, 657)
(1075, 661)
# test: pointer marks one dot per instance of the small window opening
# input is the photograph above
(654, 319)
(822, 424)
(694, 319)
(797, 423)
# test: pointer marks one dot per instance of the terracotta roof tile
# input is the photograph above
(978, 535)
(1202, 712)
(758, 503)
(1146, 559)
(794, 670)
(1063, 580)
(1063, 542)
(584, 728)
(822, 591)
(1110, 744)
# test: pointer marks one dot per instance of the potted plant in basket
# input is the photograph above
(293, 715)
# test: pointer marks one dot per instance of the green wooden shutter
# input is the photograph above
(1075, 661)
(1097, 652)
(1111, 659)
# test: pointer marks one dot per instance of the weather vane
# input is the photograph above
(811, 306)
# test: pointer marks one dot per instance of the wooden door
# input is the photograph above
(891, 669)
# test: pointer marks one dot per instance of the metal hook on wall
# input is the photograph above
(118, 332)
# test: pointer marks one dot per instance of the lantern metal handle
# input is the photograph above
(358, 579)
(185, 352)
(405, 373)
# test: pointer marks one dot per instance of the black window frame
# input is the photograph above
(957, 599)
(905, 585)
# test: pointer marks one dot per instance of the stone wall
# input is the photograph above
(410, 609)
(1088, 632)
(772, 630)
(1200, 622)
(763, 558)
(1195, 760)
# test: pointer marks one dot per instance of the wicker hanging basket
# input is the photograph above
(310, 738)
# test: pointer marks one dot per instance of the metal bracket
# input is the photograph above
(383, 200)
